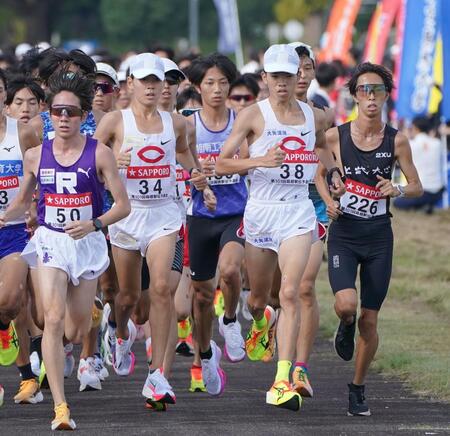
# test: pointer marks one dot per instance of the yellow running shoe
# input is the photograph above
(62, 419)
(29, 392)
(184, 328)
(301, 382)
(219, 303)
(282, 395)
(197, 384)
(272, 342)
(257, 341)
(9, 345)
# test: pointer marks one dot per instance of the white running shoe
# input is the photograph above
(2, 394)
(123, 358)
(157, 388)
(234, 348)
(244, 305)
(89, 379)
(213, 375)
(100, 368)
(69, 361)
(35, 363)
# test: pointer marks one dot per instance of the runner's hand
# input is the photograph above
(79, 229)
(333, 210)
(124, 159)
(386, 187)
(274, 156)
(210, 199)
(198, 179)
(337, 188)
(208, 166)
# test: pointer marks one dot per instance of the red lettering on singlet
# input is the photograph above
(148, 172)
(68, 200)
(9, 182)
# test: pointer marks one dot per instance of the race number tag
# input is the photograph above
(61, 209)
(299, 166)
(214, 180)
(182, 188)
(362, 200)
(9, 188)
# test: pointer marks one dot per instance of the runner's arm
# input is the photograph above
(28, 136)
(106, 128)
(23, 200)
(38, 126)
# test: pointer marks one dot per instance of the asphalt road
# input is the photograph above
(119, 407)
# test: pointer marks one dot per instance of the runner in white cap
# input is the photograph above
(279, 217)
(153, 139)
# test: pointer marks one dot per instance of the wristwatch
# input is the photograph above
(98, 225)
(400, 189)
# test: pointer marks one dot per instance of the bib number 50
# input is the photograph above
(61, 215)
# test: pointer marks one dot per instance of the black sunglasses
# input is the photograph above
(239, 97)
(106, 88)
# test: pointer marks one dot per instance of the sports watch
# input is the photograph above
(98, 225)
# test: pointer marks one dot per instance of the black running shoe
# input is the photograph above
(357, 405)
(344, 340)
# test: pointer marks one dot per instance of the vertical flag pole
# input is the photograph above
(238, 50)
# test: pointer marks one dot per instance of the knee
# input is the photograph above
(10, 306)
(204, 298)
(288, 296)
(54, 319)
(367, 325)
(307, 293)
(345, 307)
(229, 272)
(160, 290)
(127, 298)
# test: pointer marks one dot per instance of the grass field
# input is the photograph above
(414, 322)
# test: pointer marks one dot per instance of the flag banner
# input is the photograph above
(379, 28)
(400, 25)
(338, 36)
(445, 32)
(228, 26)
(417, 64)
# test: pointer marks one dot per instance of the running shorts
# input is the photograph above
(144, 225)
(85, 258)
(353, 243)
(207, 237)
(267, 224)
(13, 239)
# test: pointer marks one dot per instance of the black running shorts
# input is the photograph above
(207, 237)
(177, 265)
(353, 243)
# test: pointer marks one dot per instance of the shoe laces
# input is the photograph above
(25, 383)
(5, 338)
(281, 387)
(61, 410)
(232, 333)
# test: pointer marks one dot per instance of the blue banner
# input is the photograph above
(228, 26)
(445, 32)
(422, 23)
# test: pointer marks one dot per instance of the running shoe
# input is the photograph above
(149, 350)
(234, 349)
(184, 328)
(109, 345)
(344, 340)
(197, 384)
(69, 360)
(282, 394)
(29, 392)
(100, 368)
(157, 388)
(97, 313)
(9, 345)
(43, 382)
(244, 305)
(213, 375)
(157, 406)
(185, 347)
(357, 405)
(258, 340)
(219, 303)
(2, 394)
(301, 382)
(62, 419)
(124, 359)
(89, 380)
(35, 363)
(271, 341)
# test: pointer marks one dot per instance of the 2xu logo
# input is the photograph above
(151, 154)
(383, 154)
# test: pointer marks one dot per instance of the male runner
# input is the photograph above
(70, 255)
(214, 236)
(360, 235)
(279, 219)
(15, 139)
(154, 138)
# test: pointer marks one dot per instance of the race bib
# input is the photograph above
(214, 180)
(182, 187)
(299, 166)
(362, 200)
(149, 182)
(61, 209)
(9, 188)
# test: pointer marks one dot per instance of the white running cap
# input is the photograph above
(307, 47)
(146, 64)
(107, 70)
(281, 58)
(171, 66)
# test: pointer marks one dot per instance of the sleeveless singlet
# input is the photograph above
(11, 167)
(230, 190)
(289, 181)
(151, 176)
(87, 127)
(68, 193)
(362, 199)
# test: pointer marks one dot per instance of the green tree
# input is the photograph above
(286, 10)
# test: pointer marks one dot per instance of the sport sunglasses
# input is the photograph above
(377, 89)
(238, 97)
(106, 88)
(66, 110)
